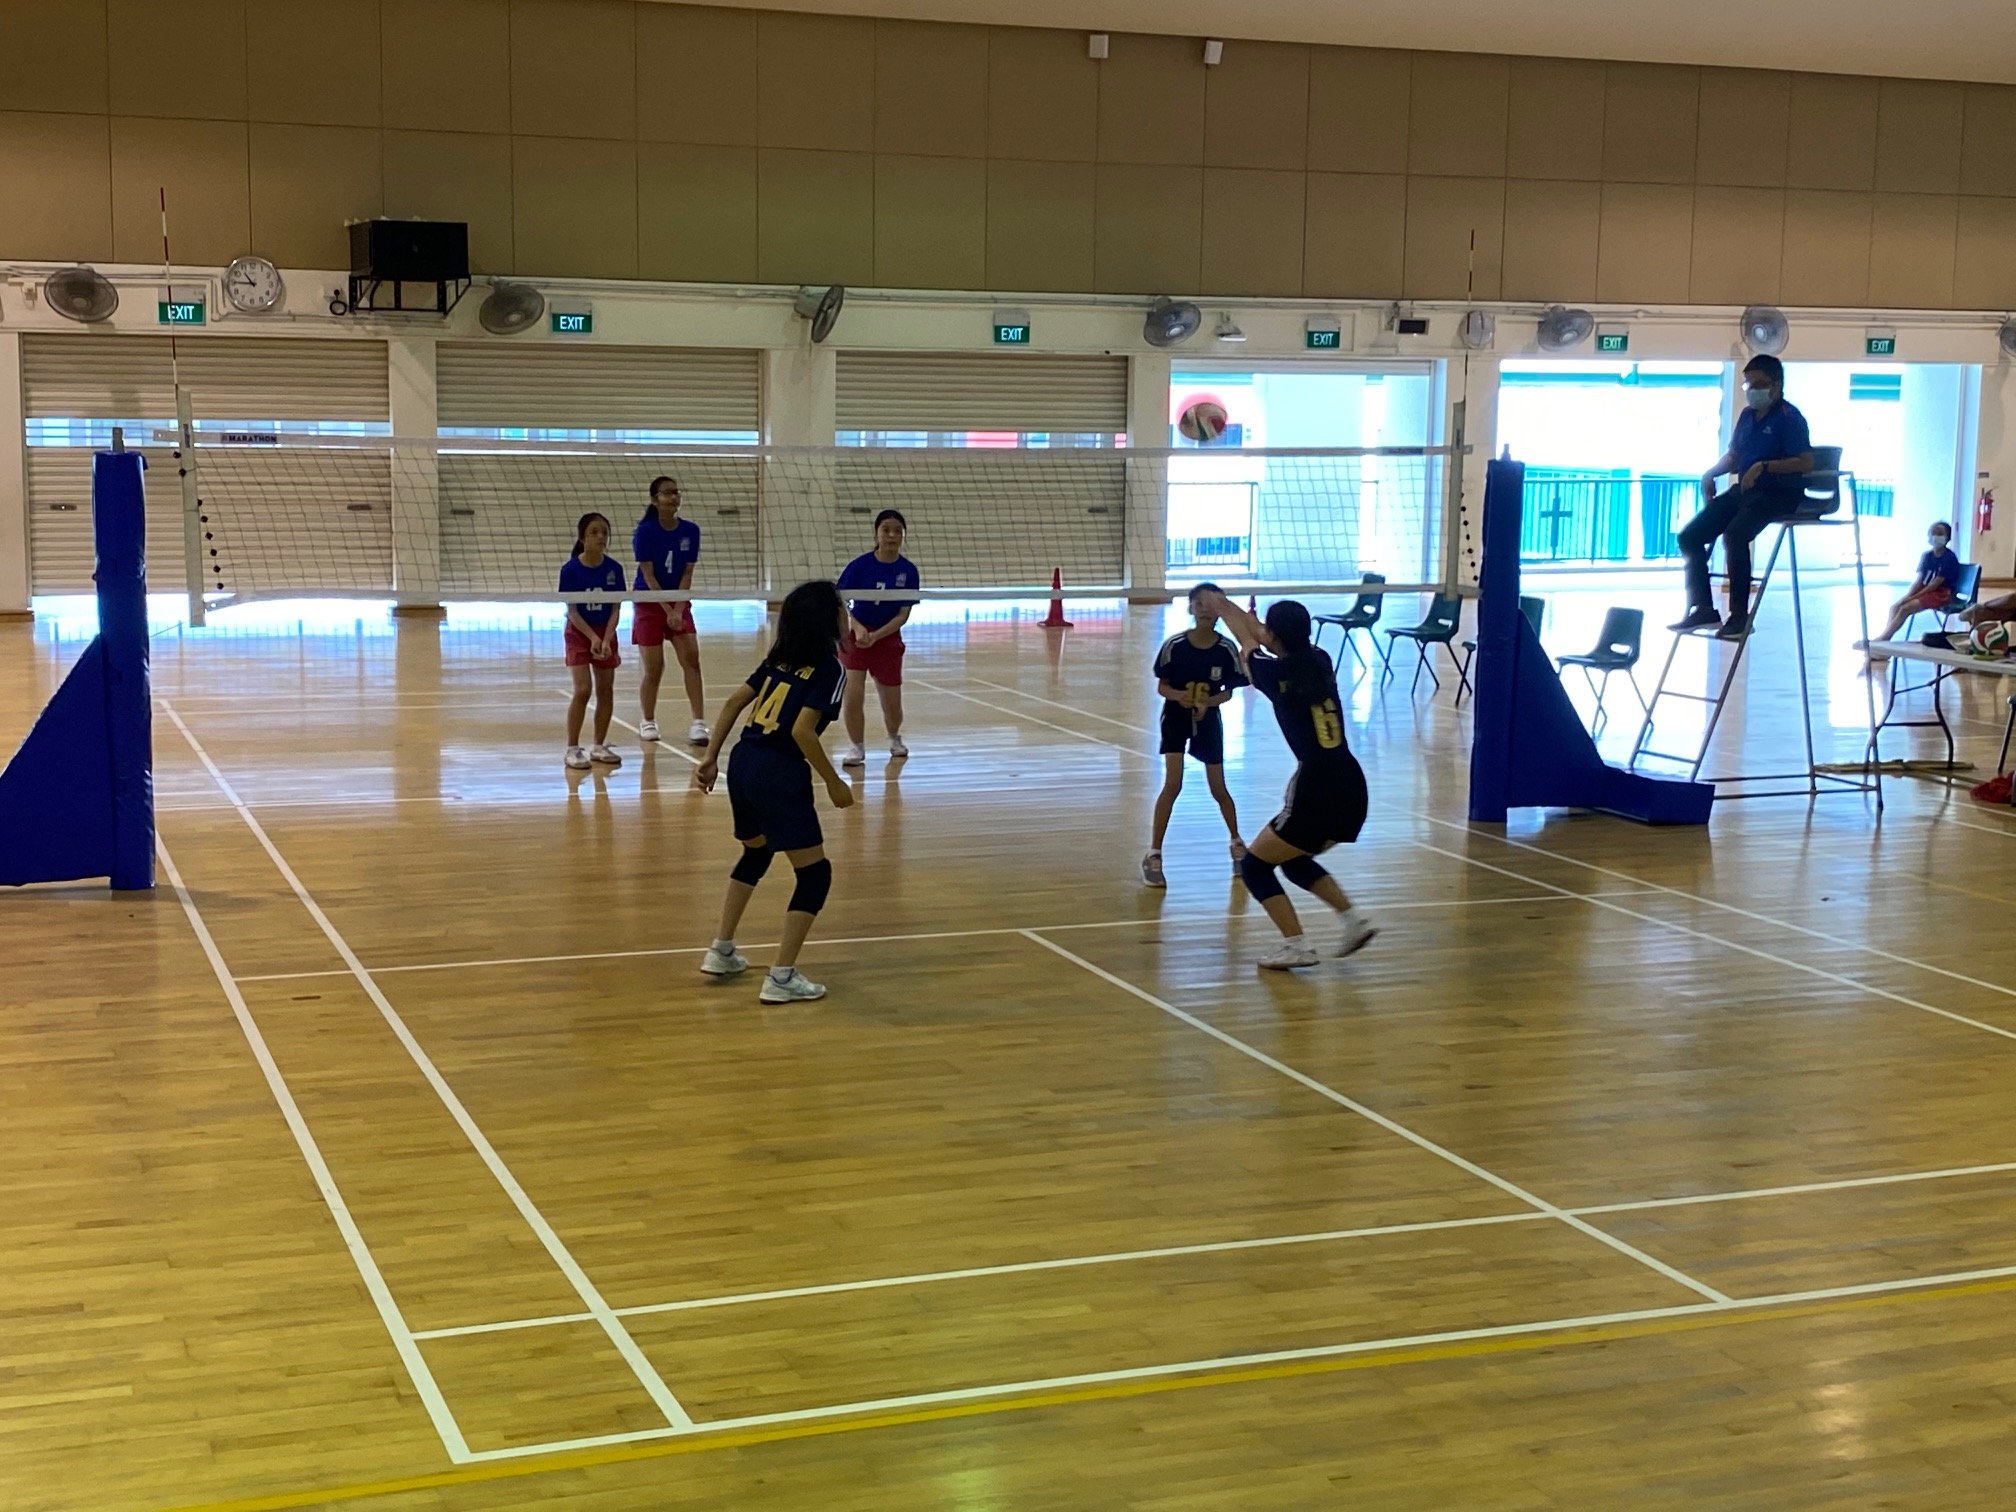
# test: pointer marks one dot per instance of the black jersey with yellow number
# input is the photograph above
(782, 694)
(1305, 706)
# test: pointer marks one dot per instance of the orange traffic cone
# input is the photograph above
(1056, 620)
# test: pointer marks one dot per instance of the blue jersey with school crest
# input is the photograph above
(868, 571)
(577, 576)
(782, 693)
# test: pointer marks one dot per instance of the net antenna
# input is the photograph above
(185, 440)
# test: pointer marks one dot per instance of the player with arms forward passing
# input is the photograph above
(1195, 673)
(873, 645)
(1326, 798)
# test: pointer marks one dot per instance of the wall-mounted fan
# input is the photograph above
(510, 308)
(2007, 336)
(822, 308)
(1766, 330)
(1478, 331)
(1171, 321)
(81, 294)
(1562, 328)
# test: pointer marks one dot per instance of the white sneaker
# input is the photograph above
(855, 756)
(1289, 957)
(897, 749)
(1358, 933)
(699, 733)
(577, 759)
(604, 755)
(648, 730)
(716, 964)
(1151, 870)
(793, 989)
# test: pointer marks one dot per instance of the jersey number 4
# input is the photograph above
(1329, 726)
(769, 705)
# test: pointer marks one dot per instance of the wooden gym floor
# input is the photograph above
(393, 1154)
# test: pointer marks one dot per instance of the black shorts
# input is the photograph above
(1203, 738)
(1324, 806)
(770, 795)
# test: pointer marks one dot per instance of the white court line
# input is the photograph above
(1230, 1246)
(1866, 988)
(1019, 714)
(647, 1374)
(424, 1384)
(1391, 1126)
(1761, 1306)
(1741, 912)
(1017, 1268)
(1397, 906)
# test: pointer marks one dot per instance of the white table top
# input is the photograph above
(1959, 661)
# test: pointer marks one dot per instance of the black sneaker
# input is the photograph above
(1697, 619)
(1735, 628)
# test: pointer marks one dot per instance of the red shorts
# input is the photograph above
(577, 651)
(882, 661)
(1938, 596)
(650, 623)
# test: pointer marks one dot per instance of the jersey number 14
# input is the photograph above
(769, 705)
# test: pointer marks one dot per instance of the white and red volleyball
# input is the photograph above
(1203, 421)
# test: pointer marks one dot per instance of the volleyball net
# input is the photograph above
(279, 514)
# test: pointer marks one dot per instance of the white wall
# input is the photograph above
(798, 381)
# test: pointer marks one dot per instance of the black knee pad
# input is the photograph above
(814, 882)
(753, 862)
(1304, 872)
(1259, 877)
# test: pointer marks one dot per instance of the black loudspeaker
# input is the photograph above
(409, 251)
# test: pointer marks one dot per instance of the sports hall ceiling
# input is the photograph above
(1932, 39)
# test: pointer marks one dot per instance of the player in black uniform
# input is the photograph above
(1326, 796)
(1195, 673)
(791, 699)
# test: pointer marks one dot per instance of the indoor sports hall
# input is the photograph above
(397, 1118)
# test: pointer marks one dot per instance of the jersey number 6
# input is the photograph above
(1329, 727)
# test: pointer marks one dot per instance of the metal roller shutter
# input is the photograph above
(90, 377)
(981, 391)
(597, 387)
(988, 517)
(501, 513)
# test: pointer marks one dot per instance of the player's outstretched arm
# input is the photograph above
(805, 730)
(1248, 631)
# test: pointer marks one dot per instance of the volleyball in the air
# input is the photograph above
(1990, 638)
(1203, 421)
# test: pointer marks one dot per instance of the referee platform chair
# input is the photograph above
(1826, 488)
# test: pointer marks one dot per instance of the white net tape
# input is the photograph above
(307, 514)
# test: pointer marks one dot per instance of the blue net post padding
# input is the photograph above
(1529, 748)
(77, 800)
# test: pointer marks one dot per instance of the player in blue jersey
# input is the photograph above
(873, 645)
(666, 548)
(791, 698)
(1195, 673)
(591, 638)
(1326, 797)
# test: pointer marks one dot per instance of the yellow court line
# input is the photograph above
(704, 1442)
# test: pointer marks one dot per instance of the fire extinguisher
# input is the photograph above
(1984, 512)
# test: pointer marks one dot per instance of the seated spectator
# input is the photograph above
(1938, 576)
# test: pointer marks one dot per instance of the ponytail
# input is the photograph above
(1302, 665)
(651, 496)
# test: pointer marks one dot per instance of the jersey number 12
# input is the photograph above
(769, 705)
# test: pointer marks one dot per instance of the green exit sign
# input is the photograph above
(180, 312)
(1613, 342)
(573, 323)
(1011, 334)
(1317, 340)
(1881, 346)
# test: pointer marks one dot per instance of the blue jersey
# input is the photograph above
(1205, 670)
(1942, 565)
(1305, 708)
(782, 694)
(870, 571)
(1778, 433)
(669, 552)
(577, 577)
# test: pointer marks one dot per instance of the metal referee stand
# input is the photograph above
(1827, 487)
